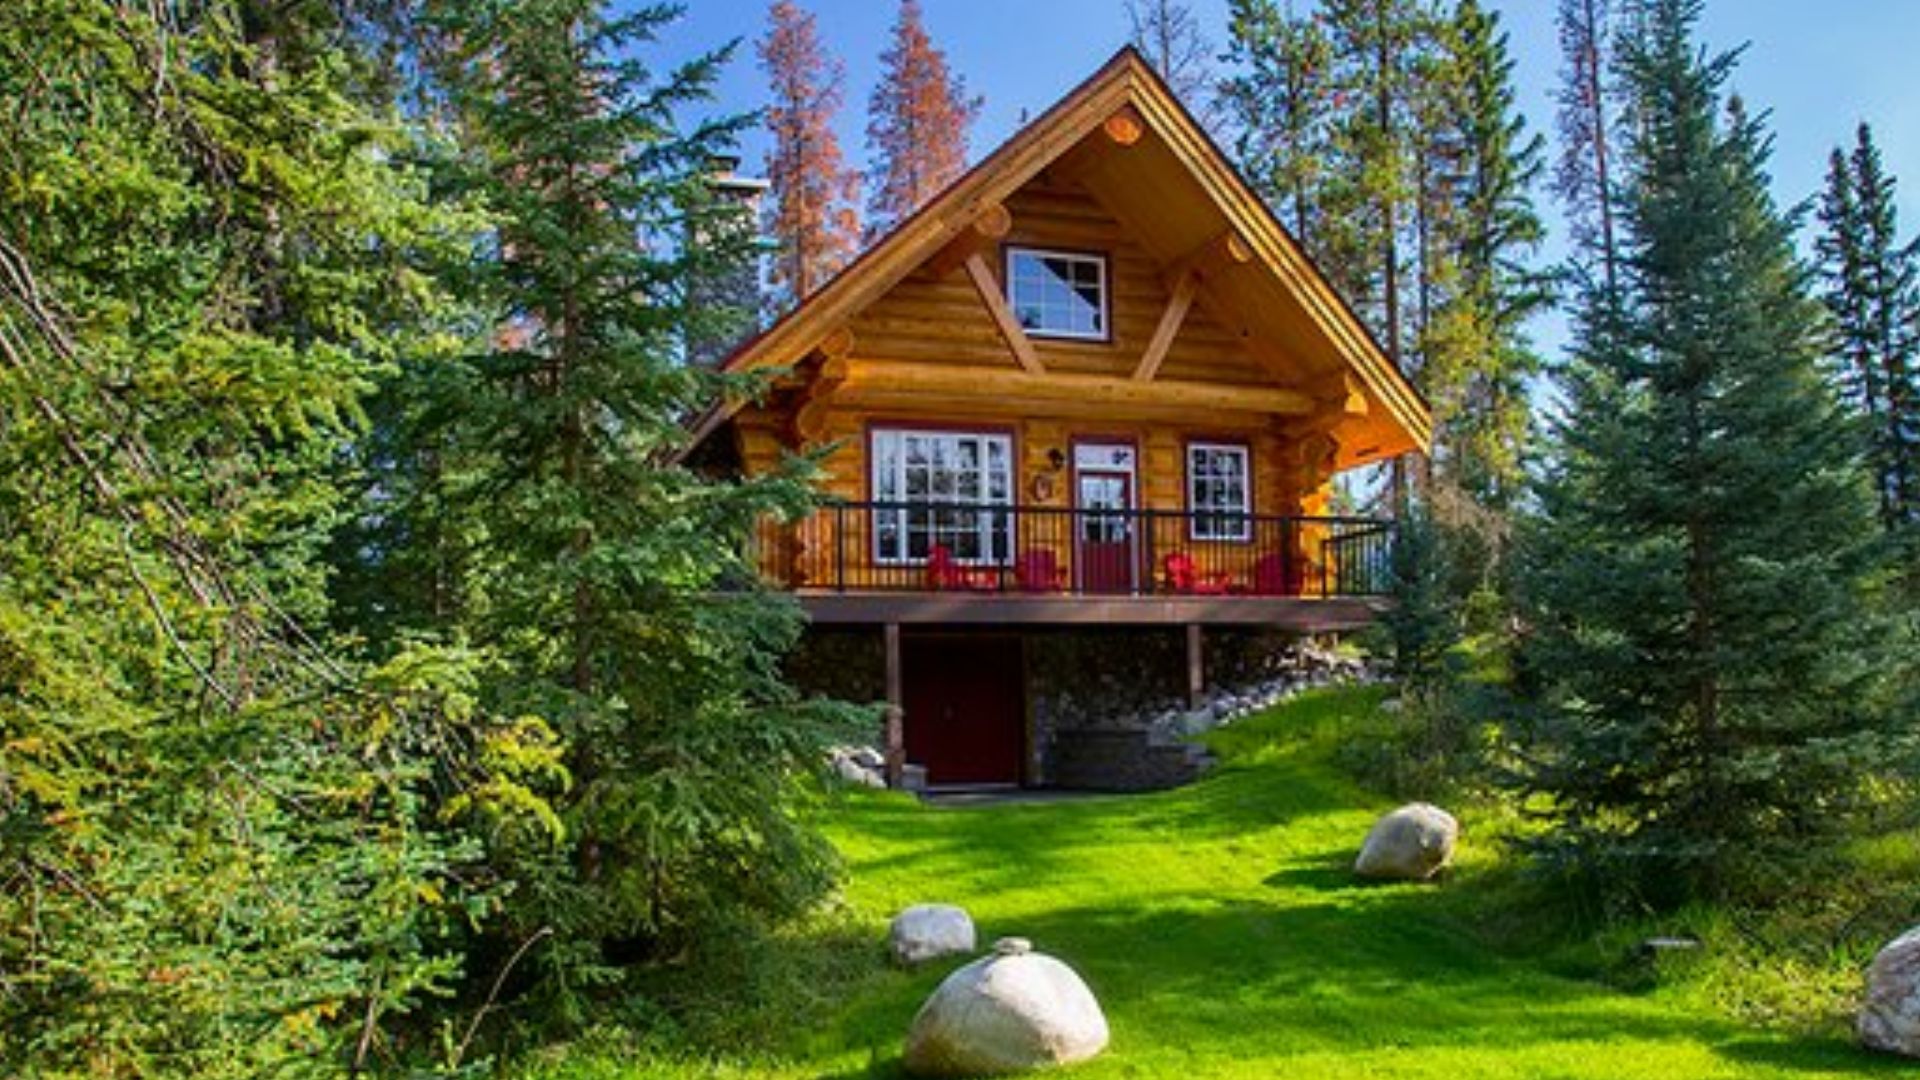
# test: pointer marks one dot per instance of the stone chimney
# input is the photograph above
(736, 287)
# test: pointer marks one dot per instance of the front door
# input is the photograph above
(1106, 555)
(964, 707)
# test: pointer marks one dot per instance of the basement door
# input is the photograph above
(964, 706)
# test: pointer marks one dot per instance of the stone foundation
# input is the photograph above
(1106, 707)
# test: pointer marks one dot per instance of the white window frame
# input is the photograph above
(997, 518)
(1099, 261)
(1205, 521)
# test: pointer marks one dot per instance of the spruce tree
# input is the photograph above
(1873, 293)
(1702, 571)
(228, 849)
(611, 586)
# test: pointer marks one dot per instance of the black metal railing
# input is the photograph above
(973, 548)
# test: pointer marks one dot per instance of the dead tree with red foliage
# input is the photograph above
(917, 123)
(813, 213)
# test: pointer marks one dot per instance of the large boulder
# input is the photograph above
(928, 931)
(1412, 843)
(1010, 1012)
(1890, 1016)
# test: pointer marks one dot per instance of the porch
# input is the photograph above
(949, 562)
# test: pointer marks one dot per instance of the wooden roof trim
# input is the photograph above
(1282, 255)
(992, 180)
(1126, 82)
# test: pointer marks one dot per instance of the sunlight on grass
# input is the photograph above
(1225, 936)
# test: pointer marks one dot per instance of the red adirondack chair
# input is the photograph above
(1184, 577)
(944, 574)
(1038, 571)
(1273, 577)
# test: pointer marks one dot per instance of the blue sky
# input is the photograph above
(1819, 66)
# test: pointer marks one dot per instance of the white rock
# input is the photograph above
(1890, 1016)
(928, 931)
(1412, 843)
(852, 772)
(1010, 1012)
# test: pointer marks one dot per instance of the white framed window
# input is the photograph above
(1058, 293)
(951, 489)
(1219, 491)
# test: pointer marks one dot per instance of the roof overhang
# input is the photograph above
(1281, 296)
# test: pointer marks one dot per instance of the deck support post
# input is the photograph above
(896, 741)
(1196, 666)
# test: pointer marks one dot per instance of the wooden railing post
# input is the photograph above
(840, 546)
(896, 734)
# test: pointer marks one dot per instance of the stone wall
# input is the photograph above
(1107, 706)
(847, 663)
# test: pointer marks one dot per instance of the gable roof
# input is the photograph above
(1288, 300)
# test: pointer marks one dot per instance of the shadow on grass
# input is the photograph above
(1328, 873)
(1814, 1056)
(1257, 981)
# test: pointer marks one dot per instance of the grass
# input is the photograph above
(1224, 936)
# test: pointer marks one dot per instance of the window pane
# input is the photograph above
(1058, 292)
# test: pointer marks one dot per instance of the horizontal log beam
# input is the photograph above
(1017, 388)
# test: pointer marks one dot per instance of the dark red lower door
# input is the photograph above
(965, 707)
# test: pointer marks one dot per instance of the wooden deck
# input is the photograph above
(1304, 614)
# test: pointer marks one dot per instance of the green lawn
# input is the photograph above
(1223, 935)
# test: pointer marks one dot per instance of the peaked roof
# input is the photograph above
(1289, 300)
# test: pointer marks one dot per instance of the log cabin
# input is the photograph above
(1081, 415)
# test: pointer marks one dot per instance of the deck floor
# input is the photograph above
(1306, 614)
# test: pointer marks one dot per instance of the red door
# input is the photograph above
(965, 707)
(1106, 554)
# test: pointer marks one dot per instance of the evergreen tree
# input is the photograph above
(917, 121)
(1584, 174)
(1280, 105)
(1703, 565)
(1375, 45)
(227, 850)
(1873, 293)
(812, 217)
(612, 587)
(1169, 36)
(1478, 165)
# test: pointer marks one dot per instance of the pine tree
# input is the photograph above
(1280, 104)
(1478, 225)
(1584, 174)
(814, 194)
(1701, 573)
(611, 586)
(1169, 36)
(917, 122)
(1873, 293)
(1375, 44)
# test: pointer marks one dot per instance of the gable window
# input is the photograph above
(1058, 293)
(950, 489)
(1219, 492)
